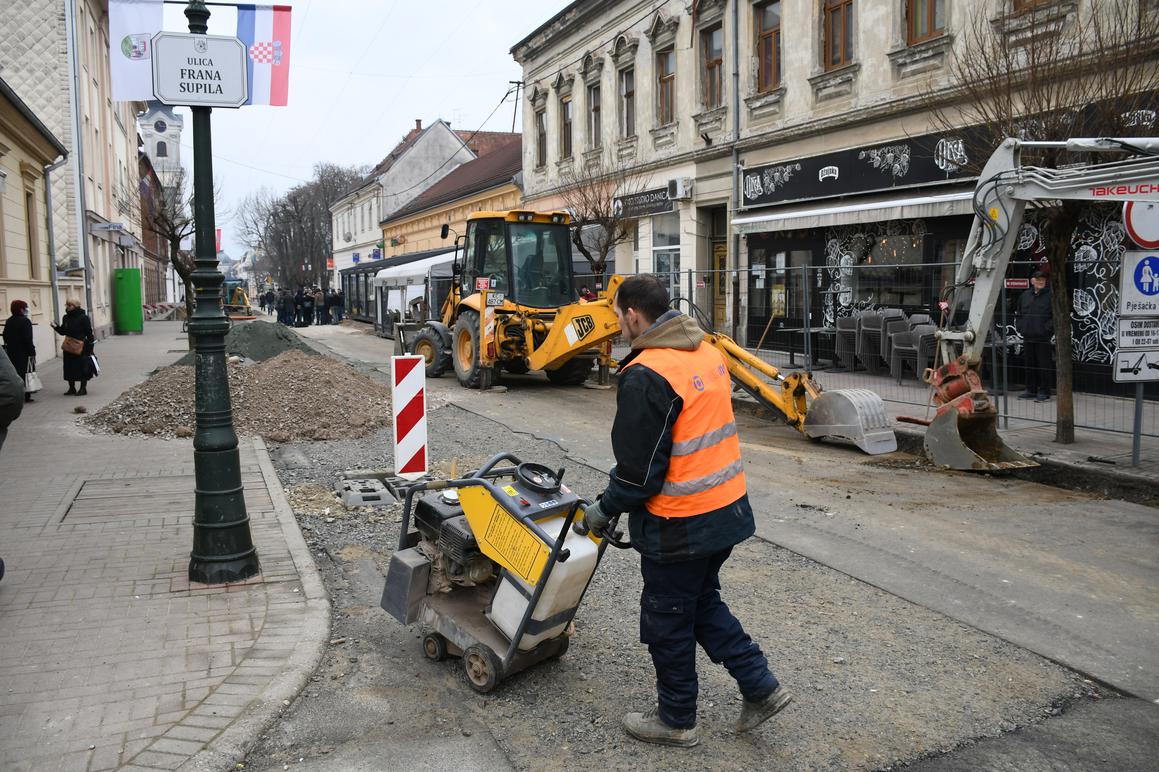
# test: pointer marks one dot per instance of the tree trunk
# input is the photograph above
(1060, 229)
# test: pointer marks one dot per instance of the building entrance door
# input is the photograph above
(719, 284)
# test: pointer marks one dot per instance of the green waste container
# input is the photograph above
(128, 311)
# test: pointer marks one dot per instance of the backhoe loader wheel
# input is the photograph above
(429, 345)
(465, 353)
(434, 647)
(573, 372)
(482, 668)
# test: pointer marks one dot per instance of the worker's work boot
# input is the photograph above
(753, 714)
(650, 728)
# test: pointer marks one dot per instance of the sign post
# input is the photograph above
(1137, 353)
(223, 549)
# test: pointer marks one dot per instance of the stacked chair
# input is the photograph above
(869, 340)
(846, 342)
(892, 321)
(916, 346)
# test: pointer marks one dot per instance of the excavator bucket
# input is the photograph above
(856, 415)
(970, 443)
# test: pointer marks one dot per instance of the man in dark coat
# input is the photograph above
(1035, 322)
(18, 341)
(77, 367)
(680, 477)
(11, 395)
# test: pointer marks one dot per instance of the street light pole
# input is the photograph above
(223, 550)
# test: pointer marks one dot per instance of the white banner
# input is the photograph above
(132, 25)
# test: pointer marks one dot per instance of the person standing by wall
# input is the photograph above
(1035, 322)
(680, 478)
(18, 341)
(78, 364)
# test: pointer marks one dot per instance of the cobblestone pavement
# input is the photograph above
(109, 657)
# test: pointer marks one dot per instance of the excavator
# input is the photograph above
(512, 305)
(964, 431)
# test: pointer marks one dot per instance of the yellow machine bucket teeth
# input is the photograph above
(856, 415)
(970, 443)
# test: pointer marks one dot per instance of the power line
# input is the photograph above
(249, 166)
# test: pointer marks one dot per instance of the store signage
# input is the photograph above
(908, 162)
(642, 204)
(1137, 352)
(199, 70)
(1018, 284)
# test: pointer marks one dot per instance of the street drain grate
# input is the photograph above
(131, 498)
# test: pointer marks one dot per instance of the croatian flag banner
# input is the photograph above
(132, 25)
(265, 30)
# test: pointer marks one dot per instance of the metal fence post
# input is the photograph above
(1137, 438)
(1005, 363)
(808, 316)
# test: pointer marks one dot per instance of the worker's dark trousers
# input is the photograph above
(1039, 366)
(680, 608)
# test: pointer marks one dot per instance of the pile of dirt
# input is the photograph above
(256, 340)
(293, 396)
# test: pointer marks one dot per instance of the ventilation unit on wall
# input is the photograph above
(680, 189)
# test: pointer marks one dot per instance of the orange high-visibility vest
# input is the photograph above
(705, 471)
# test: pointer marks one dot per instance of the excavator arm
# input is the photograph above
(963, 433)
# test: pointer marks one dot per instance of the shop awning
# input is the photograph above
(411, 273)
(868, 209)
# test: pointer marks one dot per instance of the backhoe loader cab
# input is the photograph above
(526, 256)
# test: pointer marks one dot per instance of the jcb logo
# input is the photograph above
(584, 326)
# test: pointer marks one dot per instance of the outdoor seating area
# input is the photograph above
(877, 340)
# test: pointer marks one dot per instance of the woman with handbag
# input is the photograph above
(77, 329)
(18, 342)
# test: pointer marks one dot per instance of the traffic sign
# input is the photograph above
(1141, 219)
(1135, 333)
(1136, 366)
(1139, 284)
(199, 70)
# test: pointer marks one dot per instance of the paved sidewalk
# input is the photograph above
(109, 658)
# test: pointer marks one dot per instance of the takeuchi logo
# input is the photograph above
(1142, 188)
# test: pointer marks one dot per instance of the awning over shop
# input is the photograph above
(413, 272)
(867, 209)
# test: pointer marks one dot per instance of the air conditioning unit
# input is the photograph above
(680, 189)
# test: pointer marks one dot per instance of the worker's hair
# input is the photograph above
(646, 294)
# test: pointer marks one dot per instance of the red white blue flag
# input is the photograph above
(265, 30)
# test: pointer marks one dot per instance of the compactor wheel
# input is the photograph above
(434, 647)
(429, 345)
(465, 353)
(482, 668)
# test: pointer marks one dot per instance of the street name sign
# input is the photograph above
(1137, 353)
(199, 70)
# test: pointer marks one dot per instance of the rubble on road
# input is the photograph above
(293, 396)
(258, 341)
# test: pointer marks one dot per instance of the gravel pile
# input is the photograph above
(258, 341)
(293, 396)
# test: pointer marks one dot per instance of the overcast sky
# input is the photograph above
(361, 72)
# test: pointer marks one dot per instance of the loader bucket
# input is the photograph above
(856, 415)
(970, 443)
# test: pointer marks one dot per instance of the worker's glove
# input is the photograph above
(594, 519)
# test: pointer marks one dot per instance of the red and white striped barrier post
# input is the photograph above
(409, 402)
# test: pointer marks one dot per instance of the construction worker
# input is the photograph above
(679, 476)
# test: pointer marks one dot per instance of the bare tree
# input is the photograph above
(1040, 74)
(589, 193)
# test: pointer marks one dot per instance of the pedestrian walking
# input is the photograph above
(77, 348)
(680, 478)
(287, 308)
(299, 302)
(307, 308)
(319, 306)
(338, 306)
(268, 300)
(12, 397)
(18, 342)
(1035, 322)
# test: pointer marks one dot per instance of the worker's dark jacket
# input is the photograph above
(1034, 319)
(646, 410)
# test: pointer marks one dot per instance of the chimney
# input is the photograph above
(418, 124)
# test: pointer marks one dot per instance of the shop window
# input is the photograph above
(837, 33)
(665, 87)
(540, 139)
(628, 102)
(594, 138)
(768, 18)
(565, 128)
(712, 53)
(925, 20)
(891, 273)
(666, 250)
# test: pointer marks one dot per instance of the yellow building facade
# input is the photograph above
(420, 232)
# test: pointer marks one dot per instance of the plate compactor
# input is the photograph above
(491, 568)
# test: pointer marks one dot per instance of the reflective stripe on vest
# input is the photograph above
(705, 471)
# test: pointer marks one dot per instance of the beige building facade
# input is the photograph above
(27, 147)
(94, 194)
(771, 140)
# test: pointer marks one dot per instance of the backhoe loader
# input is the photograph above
(964, 431)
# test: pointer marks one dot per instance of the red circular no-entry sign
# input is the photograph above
(1141, 219)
